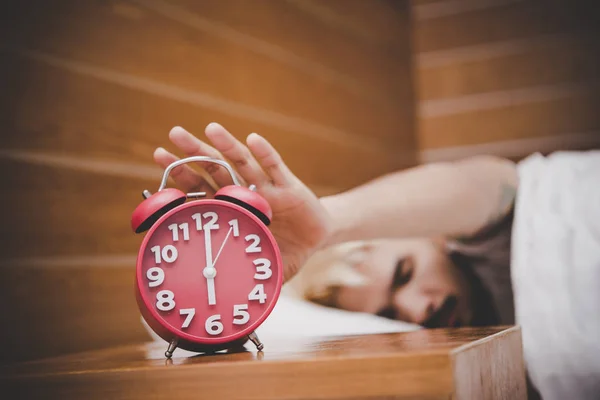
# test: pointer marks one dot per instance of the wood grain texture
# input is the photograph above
(131, 124)
(61, 310)
(158, 72)
(508, 65)
(415, 364)
(375, 25)
(58, 211)
(506, 73)
(229, 53)
(478, 377)
(504, 21)
(92, 87)
(535, 119)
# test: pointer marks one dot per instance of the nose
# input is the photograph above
(413, 305)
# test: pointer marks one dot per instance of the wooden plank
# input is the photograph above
(544, 118)
(55, 311)
(402, 365)
(376, 22)
(66, 211)
(70, 113)
(503, 22)
(555, 59)
(148, 44)
(280, 24)
(516, 149)
(472, 369)
(58, 211)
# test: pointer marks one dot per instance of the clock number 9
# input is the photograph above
(156, 276)
(165, 300)
(264, 267)
(168, 253)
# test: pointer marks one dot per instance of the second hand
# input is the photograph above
(222, 245)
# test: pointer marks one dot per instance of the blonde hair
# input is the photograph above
(326, 271)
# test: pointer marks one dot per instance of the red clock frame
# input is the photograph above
(164, 329)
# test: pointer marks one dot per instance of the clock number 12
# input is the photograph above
(212, 218)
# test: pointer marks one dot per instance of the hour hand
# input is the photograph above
(210, 273)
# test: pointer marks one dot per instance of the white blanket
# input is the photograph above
(298, 319)
(556, 272)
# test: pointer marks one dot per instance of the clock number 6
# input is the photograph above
(213, 325)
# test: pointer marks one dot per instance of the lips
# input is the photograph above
(445, 316)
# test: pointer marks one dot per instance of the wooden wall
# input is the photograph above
(506, 77)
(90, 88)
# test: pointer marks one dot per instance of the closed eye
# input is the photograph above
(402, 274)
(387, 312)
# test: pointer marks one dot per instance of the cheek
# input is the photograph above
(435, 278)
(369, 299)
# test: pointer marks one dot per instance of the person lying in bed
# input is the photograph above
(435, 245)
(413, 277)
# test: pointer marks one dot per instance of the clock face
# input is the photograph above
(209, 272)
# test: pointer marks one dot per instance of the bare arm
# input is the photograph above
(441, 199)
(454, 199)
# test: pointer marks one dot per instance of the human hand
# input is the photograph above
(300, 223)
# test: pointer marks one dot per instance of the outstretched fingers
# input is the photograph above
(236, 152)
(192, 146)
(270, 160)
(185, 177)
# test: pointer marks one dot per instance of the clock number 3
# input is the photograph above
(263, 269)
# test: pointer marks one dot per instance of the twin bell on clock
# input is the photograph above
(208, 271)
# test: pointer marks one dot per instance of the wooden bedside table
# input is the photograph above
(466, 363)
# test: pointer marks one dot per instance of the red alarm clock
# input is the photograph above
(208, 271)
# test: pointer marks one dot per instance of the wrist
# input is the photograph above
(337, 225)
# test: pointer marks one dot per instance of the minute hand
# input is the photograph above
(208, 248)
(209, 272)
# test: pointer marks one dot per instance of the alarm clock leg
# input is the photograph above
(171, 348)
(254, 338)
